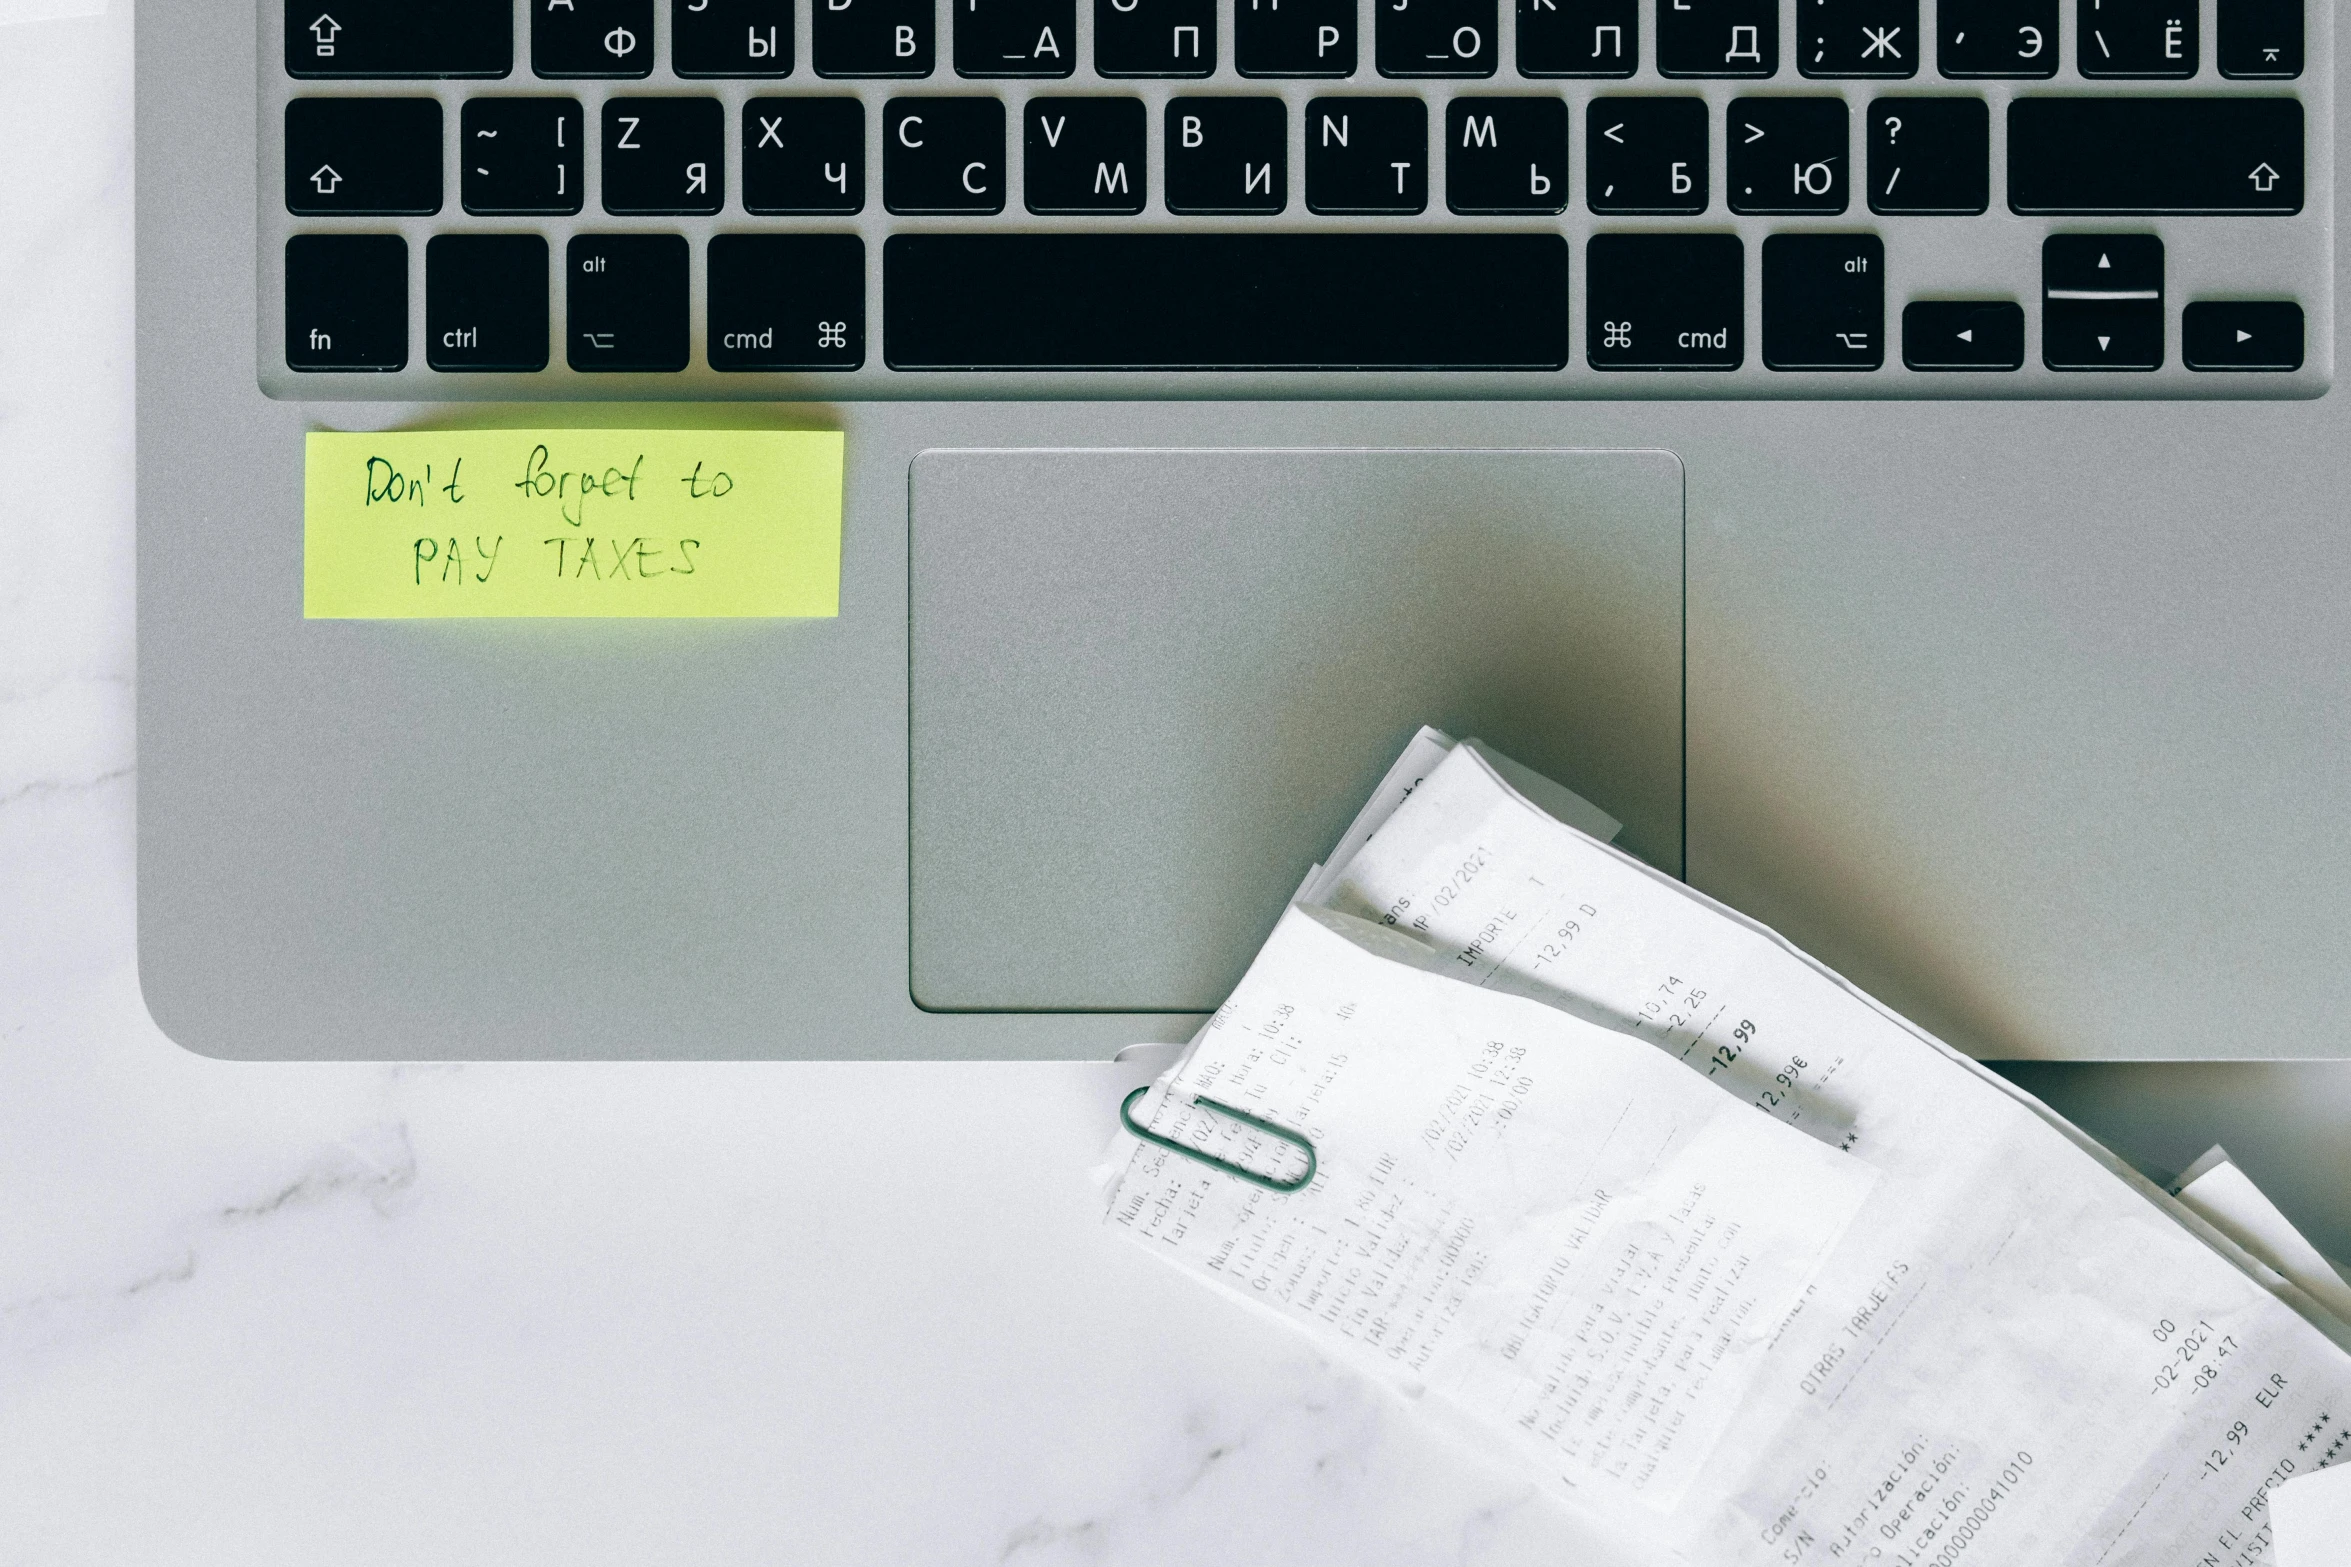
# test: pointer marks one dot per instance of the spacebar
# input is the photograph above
(1175, 301)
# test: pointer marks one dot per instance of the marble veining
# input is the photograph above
(286, 1314)
(279, 1315)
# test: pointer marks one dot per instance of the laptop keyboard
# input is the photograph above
(1521, 198)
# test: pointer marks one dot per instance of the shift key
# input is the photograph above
(2150, 156)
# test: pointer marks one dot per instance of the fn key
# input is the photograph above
(346, 302)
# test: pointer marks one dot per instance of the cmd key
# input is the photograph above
(1666, 302)
(2147, 156)
(330, 38)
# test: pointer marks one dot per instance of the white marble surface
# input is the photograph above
(733, 1314)
(357, 1314)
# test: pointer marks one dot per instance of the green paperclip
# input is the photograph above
(1127, 1104)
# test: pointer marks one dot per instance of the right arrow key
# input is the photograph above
(2253, 334)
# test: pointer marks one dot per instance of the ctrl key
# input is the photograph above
(346, 302)
(485, 302)
(787, 302)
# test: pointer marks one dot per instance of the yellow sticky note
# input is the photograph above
(428, 524)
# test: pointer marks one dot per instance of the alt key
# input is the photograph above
(2263, 334)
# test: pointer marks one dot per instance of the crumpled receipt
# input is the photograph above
(1544, 1225)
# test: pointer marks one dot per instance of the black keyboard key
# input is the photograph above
(347, 156)
(1963, 334)
(1665, 302)
(1154, 37)
(1435, 37)
(2155, 155)
(863, 38)
(1506, 155)
(1645, 155)
(1578, 37)
(1997, 38)
(1228, 155)
(330, 38)
(346, 302)
(1788, 155)
(2253, 334)
(1084, 155)
(1015, 37)
(1824, 301)
(787, 302)
(943, 155)
(1175, 301)
(1718, 37)
(2137, 37)
(1296, 38)
(1931, 155)
(664, 156)
(1865, 38)
(731, 37)
(2260, 40)
(803, 156)
(609, 38)
(1367, 155)
(485, 302)
(521, 156)
(2102, 302)
(627, 302)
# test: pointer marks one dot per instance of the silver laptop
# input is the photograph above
(1881, 451)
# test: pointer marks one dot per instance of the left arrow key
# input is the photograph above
(363, 157)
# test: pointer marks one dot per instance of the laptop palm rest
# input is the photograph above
(1148, 688)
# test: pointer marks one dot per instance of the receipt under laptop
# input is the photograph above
(2017, 1353)
(1578, 1248)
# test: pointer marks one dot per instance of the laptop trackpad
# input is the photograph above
(1149, 688)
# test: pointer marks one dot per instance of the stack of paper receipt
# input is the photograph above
(1625, 1190)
